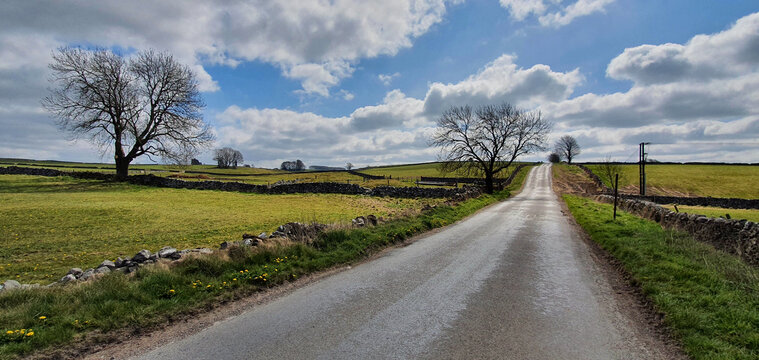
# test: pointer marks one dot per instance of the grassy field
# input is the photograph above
(722, 181)
(709, 299)
(735, 214)
(49, 224)
(61, 317)
(256, 176)
(414, 171)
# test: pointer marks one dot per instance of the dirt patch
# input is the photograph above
(567, 181)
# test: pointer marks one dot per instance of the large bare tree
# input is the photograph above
(567, 147)
(148, 104)
(485, 141)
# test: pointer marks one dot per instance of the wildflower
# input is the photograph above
(9, 332)
(235, 279)
(43, 317)
(31, 333)
(171, 292)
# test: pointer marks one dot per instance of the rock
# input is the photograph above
(119, 262)
(262, 235)
(66, 279)
(141, 256)
(87, 274)
(148, 262)
(167, 252)
(224, 245)
(372, 220)
(153, 258)
(108, 263)
(247, 242)
(77, 272)
(359, 221)
(11, 284)
(132, 269)
(277, 234)
(103, 270)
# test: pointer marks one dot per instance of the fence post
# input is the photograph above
(616, 194)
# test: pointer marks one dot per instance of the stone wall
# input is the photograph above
(318, 187)
(730, 203)
(737, 237)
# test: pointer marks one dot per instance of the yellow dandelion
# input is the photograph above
(9, 332)
(43, 317)
(31, 333)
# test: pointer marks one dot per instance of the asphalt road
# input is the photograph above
(514, 281)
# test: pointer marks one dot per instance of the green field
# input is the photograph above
(62, 317)
(735, 214)
(414, 171)
(723, 181)
(49, 224)
(256, 176)
(709, 299)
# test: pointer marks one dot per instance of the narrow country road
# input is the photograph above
(514, 281)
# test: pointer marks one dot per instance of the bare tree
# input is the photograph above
(299, 165)
(485, 141)
(146, 105)
(349, 166)
(227, 158)
(567, 147)
(608, 169)
(554, 157)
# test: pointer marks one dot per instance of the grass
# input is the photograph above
(735, 214)
(710, 299)
(722, 181)
(157, 294)
(49, 224)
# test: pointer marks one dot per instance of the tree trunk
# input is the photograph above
(489, 183)
(122, 168)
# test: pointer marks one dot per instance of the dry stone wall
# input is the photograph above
(737, 237)
(318, 187)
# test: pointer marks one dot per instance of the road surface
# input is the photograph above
(515, 281)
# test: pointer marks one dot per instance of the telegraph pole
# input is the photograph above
(642, 165)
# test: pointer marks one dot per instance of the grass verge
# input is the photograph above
(709, 299)
(61, 316)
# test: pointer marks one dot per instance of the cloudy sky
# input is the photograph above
(338, 81)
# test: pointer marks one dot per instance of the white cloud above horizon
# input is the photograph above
(679, 93)
(553, 13)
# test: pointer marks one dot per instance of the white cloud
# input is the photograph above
(346, 95)
(312, 41)
(386, 79)
(703, 91)
(502, 80)
(553, 12)
(396, 130)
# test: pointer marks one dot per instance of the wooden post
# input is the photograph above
(616, 194)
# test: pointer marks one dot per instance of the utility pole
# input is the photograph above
(642, 165)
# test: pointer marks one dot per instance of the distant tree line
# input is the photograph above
(296, 165)
(227, 158)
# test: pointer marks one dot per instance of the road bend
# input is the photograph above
(514, 281)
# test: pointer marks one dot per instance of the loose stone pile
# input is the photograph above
(295, 231)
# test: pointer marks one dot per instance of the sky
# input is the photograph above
(331, 82)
